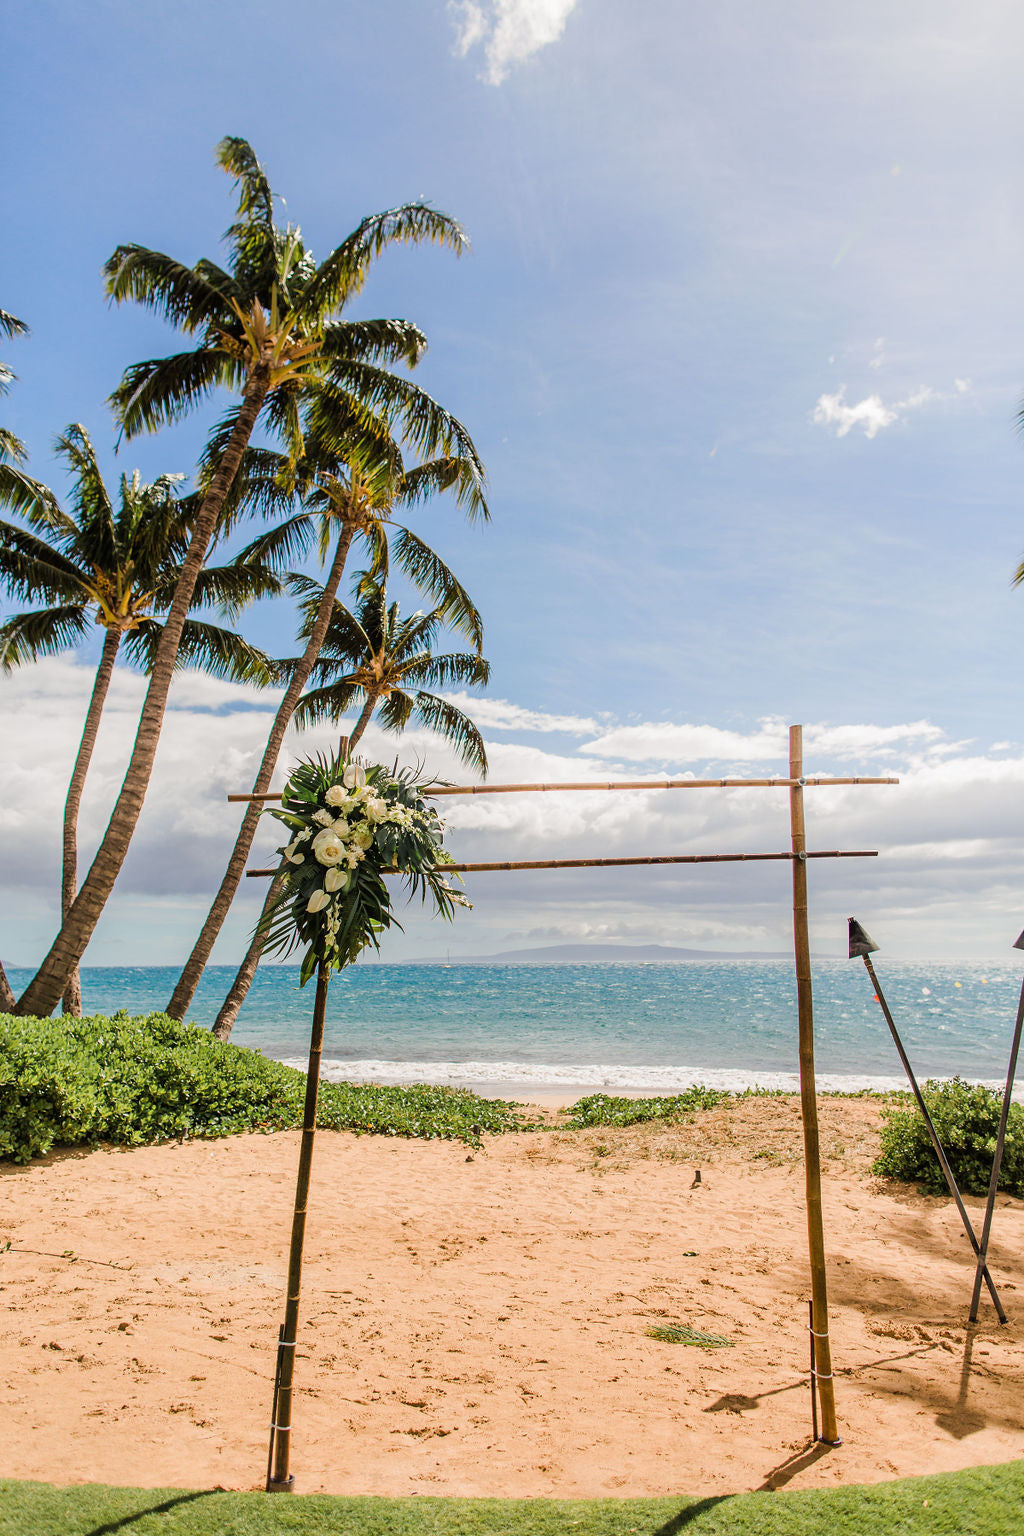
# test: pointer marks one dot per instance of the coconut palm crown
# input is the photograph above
(376, 657)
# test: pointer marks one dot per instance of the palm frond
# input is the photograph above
(448, 668)
(94, 514)
(384, 342)
(464, 475)
(37, 571)
(456, 728)
(186, 296)
(11, 325)
(30, 497)
(216, 651)
(162, 390)
(44, 632)
(428, 428)
(255, 199)
(328, 703)
(344, 271)
(282, 545)
(231, 588)
(12, 449)
(429, 573)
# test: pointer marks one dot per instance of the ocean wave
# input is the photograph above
(521, 1076)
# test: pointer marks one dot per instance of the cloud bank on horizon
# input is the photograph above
(949, 837)
(509, 31)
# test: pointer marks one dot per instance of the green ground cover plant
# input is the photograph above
(966, 1117)
(605, 1109)
(983, 1501)
(137, 1080)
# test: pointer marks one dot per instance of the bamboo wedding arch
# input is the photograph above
(279, 1478)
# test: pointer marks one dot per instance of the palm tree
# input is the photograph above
(118, 570)
(341, 502)
(377, 657)
(264, 326)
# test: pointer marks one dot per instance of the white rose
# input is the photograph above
(317, 901)
(376, 808)
(362, 836)
(336, 795)
(328, 847)
(341, 827)
(336, 879)
(354, 777)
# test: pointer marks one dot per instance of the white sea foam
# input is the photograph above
(543, 1077)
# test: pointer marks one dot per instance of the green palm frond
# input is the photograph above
(34, 570)
(162, 390)
(206, 647)
(463, 475)
(448, 669)
(12, 449)
(453, 727)
(431, 430)
(431, 576)
(283, 545)
(231, 588)
(328, 703)
(381, 342)
(21, 493)
(26, 637)
(187, 297)
(93, 515)
(344, 272)
(11, 325)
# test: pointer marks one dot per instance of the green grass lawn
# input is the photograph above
(984, 1501)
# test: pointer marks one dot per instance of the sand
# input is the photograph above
(473, 1322)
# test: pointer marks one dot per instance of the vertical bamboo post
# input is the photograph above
(280, 1481)
(808, 1097)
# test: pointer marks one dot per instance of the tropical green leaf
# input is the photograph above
(44, 632)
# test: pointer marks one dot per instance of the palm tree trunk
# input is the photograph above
(44, 990)
(72, 1000)
(224, 1023)
(189, 978)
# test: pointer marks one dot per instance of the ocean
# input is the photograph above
(513, 1029)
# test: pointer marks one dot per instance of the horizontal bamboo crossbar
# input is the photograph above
(521, 789)
(658, 858)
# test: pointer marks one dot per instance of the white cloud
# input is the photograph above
(872, 413)
(689, 744)
(510, 31)
(500, 715)
(950, 836)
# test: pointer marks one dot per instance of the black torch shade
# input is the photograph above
(861, 942)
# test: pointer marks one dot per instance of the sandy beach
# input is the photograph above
(473, 1321)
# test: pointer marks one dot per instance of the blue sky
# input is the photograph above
(740, 342)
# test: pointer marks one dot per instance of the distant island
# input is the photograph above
(601, 954)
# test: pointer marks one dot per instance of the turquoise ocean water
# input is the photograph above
(505, 1028)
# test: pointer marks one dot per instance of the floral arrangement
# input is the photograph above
(350, 823)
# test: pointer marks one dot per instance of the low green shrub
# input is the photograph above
(74, 1082)
(966, 1117)
(603, 1109)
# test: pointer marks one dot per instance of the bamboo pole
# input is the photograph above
(658, 858)
(281, 1480)
(997, 1161)
(545, 789)
(808, 1099)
